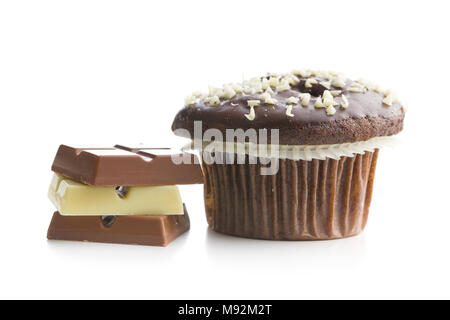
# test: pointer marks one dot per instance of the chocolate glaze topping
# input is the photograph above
(365, 117)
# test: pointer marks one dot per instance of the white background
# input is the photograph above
(117, 71)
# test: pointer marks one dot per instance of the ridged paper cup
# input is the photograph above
(304, 200)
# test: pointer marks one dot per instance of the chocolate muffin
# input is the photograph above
(322, 189)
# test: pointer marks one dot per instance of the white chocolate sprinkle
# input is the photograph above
(274, 81)
(289, 110)
(283, 86)
(333, 73)
(269, 90)
(249, 90)
(293, 80)
(303, 73)
(357, 84)
(306, 98)
(265, 83)
(325, 74)
(327, 98)
(214, 100)
(310, 82)
(364, 82)
(213, 91)
(344, 103)
(328, 102)
(390, 92)
(319, 103)
(327, 94)
(292, 100)
(377, 88)
(319, 73)
(326, 84)
(330, 110)
(256, 84)
(237, 87)
(268, 98)
(335, 93)
(251, 115)
(252, 103)
(265, 96)
(338, 82)
(388, 100)
(356, 89)
(307, 73)
(228, 92)
(190, 100)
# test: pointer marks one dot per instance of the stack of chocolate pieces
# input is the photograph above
(120, 194)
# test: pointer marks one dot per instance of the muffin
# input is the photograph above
(329, 131)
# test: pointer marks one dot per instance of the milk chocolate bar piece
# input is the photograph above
(139, 230)
(127, 166)
(72, 198)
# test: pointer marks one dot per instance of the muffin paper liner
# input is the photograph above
(292, 152)
(305, 200)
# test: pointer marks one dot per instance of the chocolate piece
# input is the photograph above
(72, 198)
(140, 230)
(127, 166)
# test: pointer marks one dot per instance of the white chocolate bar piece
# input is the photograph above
(72, 198)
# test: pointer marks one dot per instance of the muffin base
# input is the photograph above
(305, 200)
